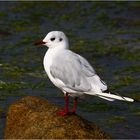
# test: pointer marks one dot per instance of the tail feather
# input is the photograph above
(112, 96)
(109, 99)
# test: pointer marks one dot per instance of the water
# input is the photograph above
(106, 33)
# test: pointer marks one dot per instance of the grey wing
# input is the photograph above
(68, 68)
(90, 72)
(86, 67)
(73, 70)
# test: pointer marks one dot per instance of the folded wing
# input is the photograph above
(74, 71)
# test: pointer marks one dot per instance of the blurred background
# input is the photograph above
(105, 33)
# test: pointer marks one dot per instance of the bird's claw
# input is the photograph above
(65, 112)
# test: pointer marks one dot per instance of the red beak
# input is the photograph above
(39, 42)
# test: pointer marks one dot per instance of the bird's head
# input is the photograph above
(54, 39)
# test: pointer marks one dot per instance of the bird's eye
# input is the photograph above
(60, 39)
(52, 39)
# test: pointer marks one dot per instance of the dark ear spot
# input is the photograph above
(52, 39)
(60, 39)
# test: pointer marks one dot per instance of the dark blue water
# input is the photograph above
(105, 33)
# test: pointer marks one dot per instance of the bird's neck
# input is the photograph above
(57, 48)
(61, 47)
(53, 51)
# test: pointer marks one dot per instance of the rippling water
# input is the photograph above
(106, 33)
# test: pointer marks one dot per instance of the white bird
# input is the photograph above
(71, 72)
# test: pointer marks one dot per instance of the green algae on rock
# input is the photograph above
(37, 118)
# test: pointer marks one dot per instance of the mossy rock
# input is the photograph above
(35, 118)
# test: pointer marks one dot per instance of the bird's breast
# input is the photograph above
(47, 62)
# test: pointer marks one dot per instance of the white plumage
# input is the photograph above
(71, 72)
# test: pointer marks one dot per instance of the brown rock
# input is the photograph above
(35, 118)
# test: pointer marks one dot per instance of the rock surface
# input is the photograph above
(35, 118)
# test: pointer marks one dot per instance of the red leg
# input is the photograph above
(66, 110)
(67, 103)
(75, 106)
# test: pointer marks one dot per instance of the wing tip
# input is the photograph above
(136, 101)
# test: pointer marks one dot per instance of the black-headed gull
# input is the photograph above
(71, 72)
